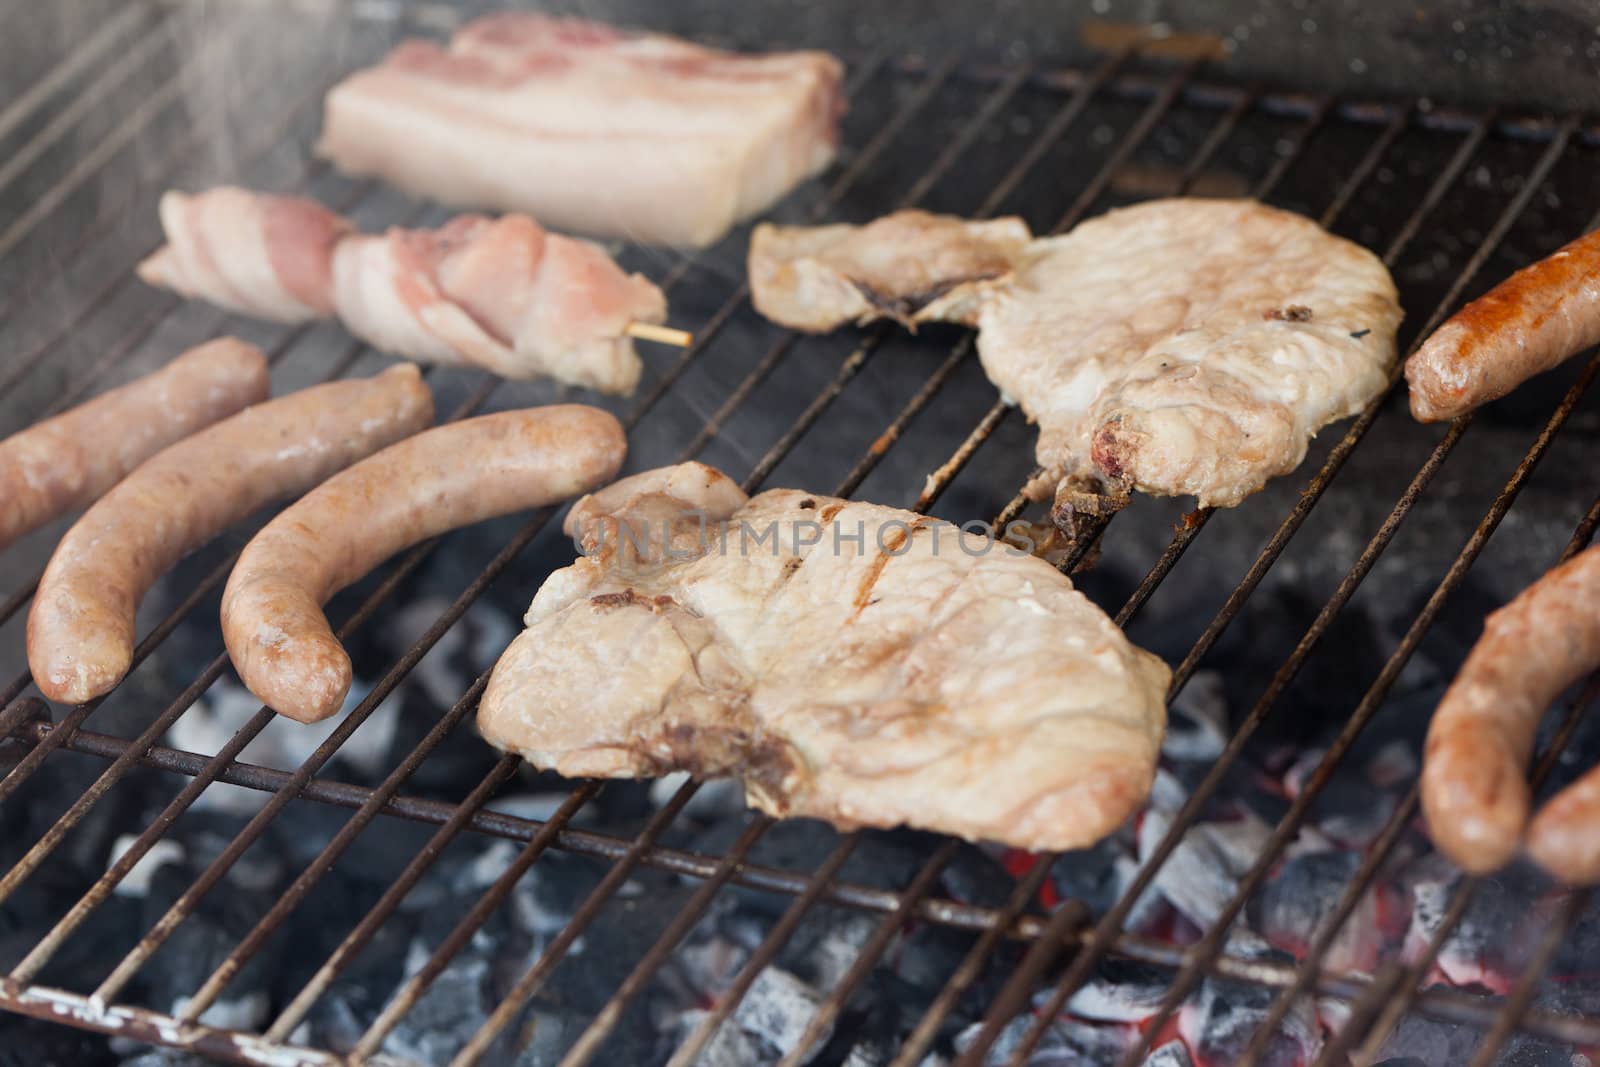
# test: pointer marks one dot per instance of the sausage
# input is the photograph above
(272, 617)
(64, 463)
(1564, 837)
(1474, 786)
(81, 627)
(1529, 323)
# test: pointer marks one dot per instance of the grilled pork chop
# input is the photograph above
(911, 267)
(857, 663)
(1187, 347)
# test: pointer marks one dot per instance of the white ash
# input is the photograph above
(1220, 1019)
(535, 807)
(446, 1016)
(1172, 1054)
(777, 1010)
(136, 883)
(1197, 878)
(717, 798)
(1198, 726)
(245, 1012)
(730, 1046)
(283, 745)
(1167, 793)
(1064, 1043)
(482, 634)
(1117, 993)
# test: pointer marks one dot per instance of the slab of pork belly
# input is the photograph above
(587, 128)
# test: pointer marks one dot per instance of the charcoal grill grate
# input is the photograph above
(1150, 95)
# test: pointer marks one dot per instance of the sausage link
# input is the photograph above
(1564, 837)
(81, 628)
(1535, 319)
(66, 462)
(451, 476)
(1474, 786)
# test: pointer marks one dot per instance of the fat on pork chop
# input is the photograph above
(848, 661)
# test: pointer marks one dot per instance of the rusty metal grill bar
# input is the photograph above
(993, 925)
(1221, 96)
(1079, 970)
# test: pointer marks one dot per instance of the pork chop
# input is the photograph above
(1187, 347)
(848, 661)
(911, 267)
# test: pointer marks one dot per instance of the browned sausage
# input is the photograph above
(81, 628)
(1474, 786)
(1535, 319)
(64, 463)
(458, 474)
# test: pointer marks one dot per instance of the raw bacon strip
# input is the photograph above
(261, 255)
(589, 128)
(496, 293)
(499, 293)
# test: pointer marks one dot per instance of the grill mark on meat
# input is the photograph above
(829, 511)
(626, 598)
(807, 504)
(1292, 313)
(897, 541)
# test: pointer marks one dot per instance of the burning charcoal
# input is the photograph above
(704, 967)
(166, 1057)
(1473, 953)
(1091, 875)
(1121, 991)
(975, 876)
(1172, 1054)
(1200, 876)
(730, 1047)
(826, 943)
(1168, 793)
(1421, 1040)
(201, 942)
(546, 1033)
(340, 1016)
(1221, 1019)
(1348, 810)
(1068, 1042)
(1302, 892)
(447, 1015)
(776, 1011)
(1394, 766)
(1198, 727)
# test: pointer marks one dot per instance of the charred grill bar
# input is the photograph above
(1060, 949)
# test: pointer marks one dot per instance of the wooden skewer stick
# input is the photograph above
(665, 335)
